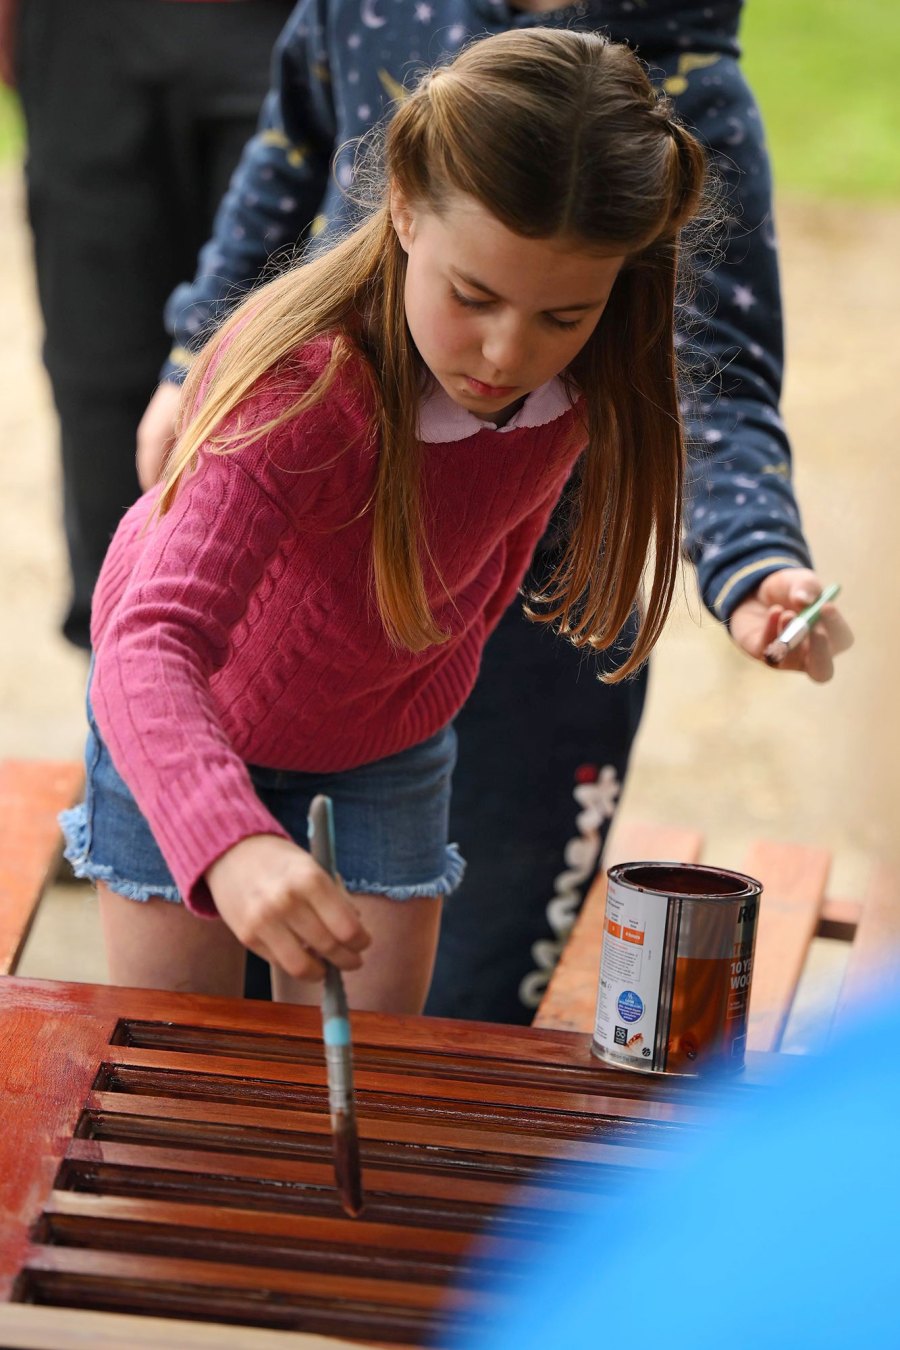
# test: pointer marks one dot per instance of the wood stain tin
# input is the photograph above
(674, 993)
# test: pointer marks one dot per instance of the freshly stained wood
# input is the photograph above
(169, 1156)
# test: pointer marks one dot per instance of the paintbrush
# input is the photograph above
(336, 1035)
(798, 627)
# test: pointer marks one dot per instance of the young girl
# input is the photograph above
(373, 447)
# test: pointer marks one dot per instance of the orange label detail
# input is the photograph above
(614, 928)
(635, 935)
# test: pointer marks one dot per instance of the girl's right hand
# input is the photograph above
(281, 904)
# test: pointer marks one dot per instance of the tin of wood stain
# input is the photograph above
(674, 994)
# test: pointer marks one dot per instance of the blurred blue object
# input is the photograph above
(777, 1229)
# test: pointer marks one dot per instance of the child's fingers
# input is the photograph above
(795, 660)
(278, 901)
(333, 907)
(283, 949)
(775, 622)
(819, 660)
(313, 931)
(839, 632)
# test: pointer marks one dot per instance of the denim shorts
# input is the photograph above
(390, 823)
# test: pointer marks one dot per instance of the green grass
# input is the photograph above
(11, 137)
(827, 77)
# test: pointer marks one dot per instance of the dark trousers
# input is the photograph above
(136, 113)
(543, 751)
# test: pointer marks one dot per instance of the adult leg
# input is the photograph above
(87, 201)
(218, 60)
(109, 131)
(155, 944)
(396, 970)
(543, 751)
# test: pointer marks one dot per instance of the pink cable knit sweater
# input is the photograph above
(241, 628)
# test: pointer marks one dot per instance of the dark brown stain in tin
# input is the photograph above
(686, 879)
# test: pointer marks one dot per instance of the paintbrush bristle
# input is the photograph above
(347, 1167)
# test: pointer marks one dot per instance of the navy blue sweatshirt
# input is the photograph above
(338, 67)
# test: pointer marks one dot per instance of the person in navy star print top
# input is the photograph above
(339, 67)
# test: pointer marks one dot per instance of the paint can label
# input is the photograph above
(674, 991)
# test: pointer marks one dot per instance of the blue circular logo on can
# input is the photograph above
(630, 1006)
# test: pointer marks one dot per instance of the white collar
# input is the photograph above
(441, 420)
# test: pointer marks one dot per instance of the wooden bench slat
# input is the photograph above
(31, 795)
(872, 977)
(570, 1001)
(28, 1326)
(794, 878)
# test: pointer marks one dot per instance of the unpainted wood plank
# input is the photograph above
(872, 979)
(32, 793)
(28, 1326)
(793, 878)
(571, 998)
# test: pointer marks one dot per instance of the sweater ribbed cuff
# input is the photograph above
(195, 827)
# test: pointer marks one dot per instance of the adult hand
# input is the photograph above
(282, 905)
(760, 618)
(8, 12)
(156, 432)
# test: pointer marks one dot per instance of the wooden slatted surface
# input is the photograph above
(178, 1160)
(32, 793)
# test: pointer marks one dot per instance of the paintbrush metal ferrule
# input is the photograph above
(336, 1036)
(799, 627)
(341, 1102)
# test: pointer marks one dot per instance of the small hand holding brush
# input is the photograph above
(336, 1035)
(798, 628)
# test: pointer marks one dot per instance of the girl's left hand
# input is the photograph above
(759, 619)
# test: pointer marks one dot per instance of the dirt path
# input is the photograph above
(726, 745)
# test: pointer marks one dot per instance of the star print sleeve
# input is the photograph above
(742, 520)
(275, 191)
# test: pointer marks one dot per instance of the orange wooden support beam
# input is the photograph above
(32, 792)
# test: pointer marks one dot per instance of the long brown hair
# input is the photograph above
(560, 135)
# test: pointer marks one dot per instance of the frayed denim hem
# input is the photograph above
(75, 831)
(428, 890)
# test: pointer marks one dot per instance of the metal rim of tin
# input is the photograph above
(741, 886)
